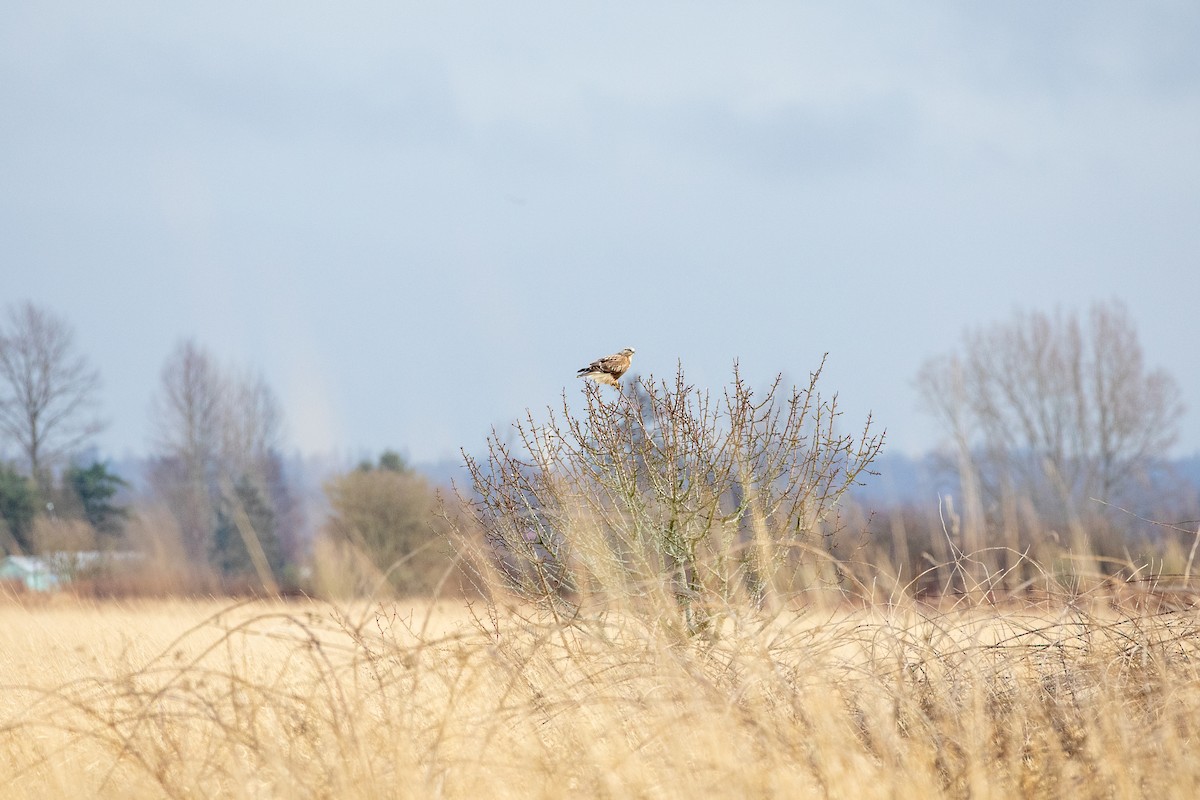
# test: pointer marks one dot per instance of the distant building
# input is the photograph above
(32, 572)
(55, 570)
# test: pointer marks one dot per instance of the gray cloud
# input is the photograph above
(387, 192)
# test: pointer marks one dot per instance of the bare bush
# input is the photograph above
(54, 534)
(666, 498)
(383, 532)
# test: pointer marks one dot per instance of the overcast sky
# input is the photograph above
(419, 219)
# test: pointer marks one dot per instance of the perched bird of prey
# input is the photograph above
(608, 370)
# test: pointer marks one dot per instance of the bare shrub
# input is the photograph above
(669, 500)
(161, 567)
(52, 534)
(383, 532)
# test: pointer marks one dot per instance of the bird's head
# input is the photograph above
(628, 351)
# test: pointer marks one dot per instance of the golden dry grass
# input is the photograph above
(207, 699)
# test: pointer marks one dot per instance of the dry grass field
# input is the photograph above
(1066, 697)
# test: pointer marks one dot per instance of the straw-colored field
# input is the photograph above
(204, 699)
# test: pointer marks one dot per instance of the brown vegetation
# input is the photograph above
(1081, 696)
(674, 600)
(384, 535)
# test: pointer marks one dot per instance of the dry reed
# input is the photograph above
(1071, 695)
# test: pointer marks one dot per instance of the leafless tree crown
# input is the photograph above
(188, 410)
(1055, 408)
(205, 414)
(213, 427)
(663, 487)
(47, 389)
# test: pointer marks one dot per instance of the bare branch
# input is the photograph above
(663, 485)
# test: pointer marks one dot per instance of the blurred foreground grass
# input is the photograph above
(1070, 697)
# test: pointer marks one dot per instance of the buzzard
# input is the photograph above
(609, 369)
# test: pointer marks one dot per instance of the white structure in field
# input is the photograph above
(55, 570)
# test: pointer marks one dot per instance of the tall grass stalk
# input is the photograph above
(1068, 694)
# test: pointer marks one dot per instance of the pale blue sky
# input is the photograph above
(418, 219)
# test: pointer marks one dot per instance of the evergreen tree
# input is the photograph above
(391, 461)
(18, 504)
(246, 514)
(95, 487)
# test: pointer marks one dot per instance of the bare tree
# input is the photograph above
(187, 415)
(187, 412)
(1054, 409)
(217, 434)
(47, 390)
(668, 493)
(252, 423)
